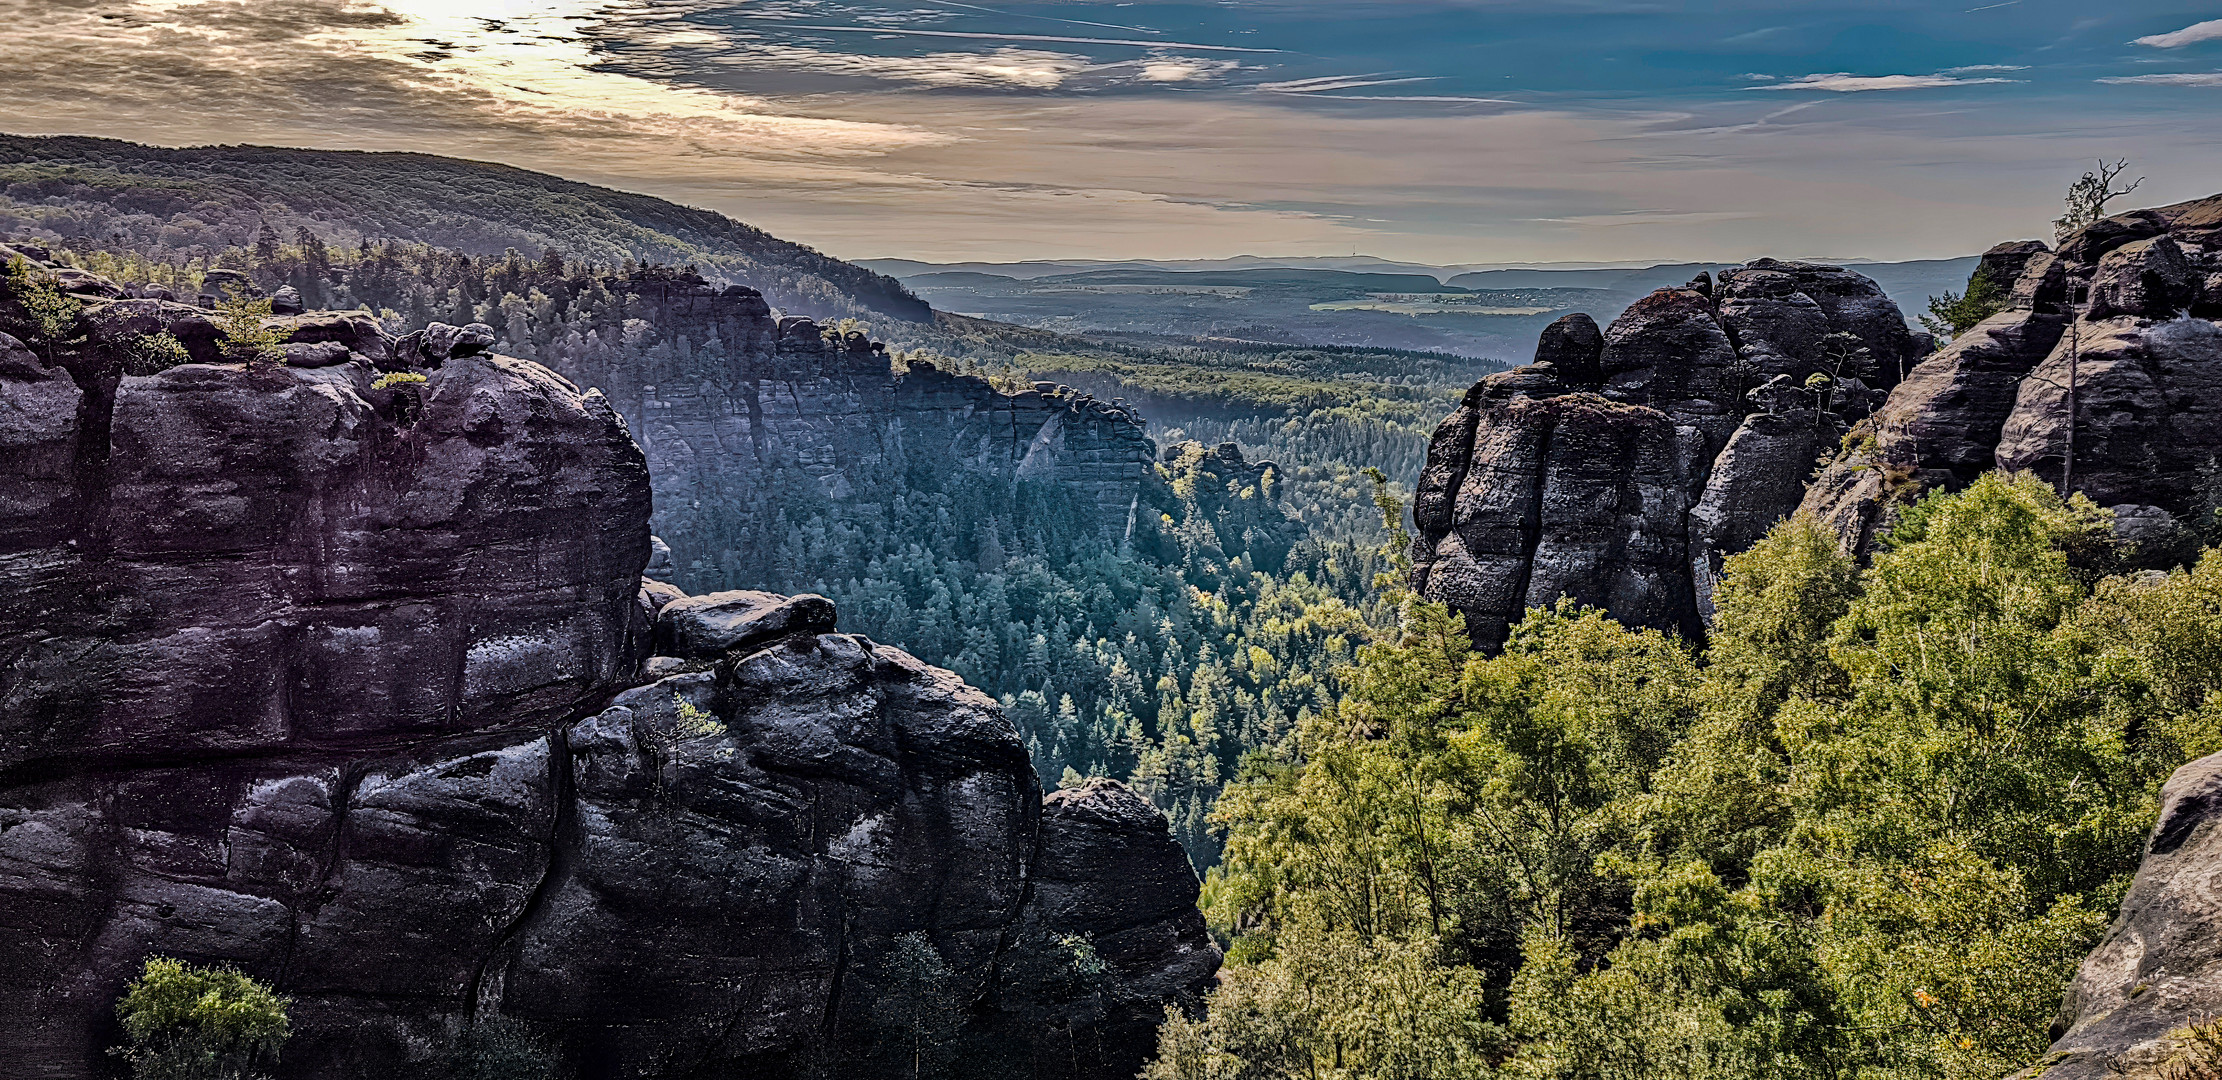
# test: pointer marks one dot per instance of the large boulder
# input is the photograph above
(2148, 412)
(2159, 968)
(710, 626)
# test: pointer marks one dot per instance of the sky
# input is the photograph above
(1435, 131)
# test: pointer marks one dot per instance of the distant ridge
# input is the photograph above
(211, 197)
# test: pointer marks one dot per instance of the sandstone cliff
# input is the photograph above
(1621, 466)
(2160, 966)
(2122, 312)
(359, 688)
(743, 414)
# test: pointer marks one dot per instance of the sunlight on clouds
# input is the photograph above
(2209, 30)
(1844, 82)
(535, 58)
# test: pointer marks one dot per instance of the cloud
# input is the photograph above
(2209, 30)
(1003, 68)
(2204, 78)
(1844, 82)
(1329, 83)
(1969, 69)
(1049, 38)
(1183, 69)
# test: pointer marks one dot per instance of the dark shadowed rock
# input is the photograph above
(320, 355)
(221, 285)
(1756, 481)
(358, 331)
(2004, 263)
(286, 301)
(115, 328)
(1110, 871)
(707, 627)
(288, 685)
(85, 284)
(2160, 967)
(2148, 412)
(1573, 346)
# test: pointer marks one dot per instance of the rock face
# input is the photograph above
(746, 401)
(344, 686)
(2140, 347)
(1622, 466)
(2160, 966)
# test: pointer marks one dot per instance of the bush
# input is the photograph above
(500, 1048)
(189, 1023)
(152, 354)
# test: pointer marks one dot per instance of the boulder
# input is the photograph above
(113, 328)
(40, 440)
(319, 355)
(659, 558)
(286, 301)
(1757, 480)
(474, 339)
(2149, 278)
(220, 284)
(714, 625)
(2160, 966)
(657, 595)
(85, 284)
(355, 329)
(1573, 346)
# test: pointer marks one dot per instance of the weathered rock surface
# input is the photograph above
(350, 695)
(1624, 487)
(2160, 966)
(2142, 353)
(759, 401)
(707, 627)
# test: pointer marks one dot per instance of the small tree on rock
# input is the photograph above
(2088, 196)
(183, 1022)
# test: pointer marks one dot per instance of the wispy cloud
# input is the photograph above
(1970, 69)
(2196, 78)
(1331, 83)
(2209, 30)
(1844, 82)
(881, 31)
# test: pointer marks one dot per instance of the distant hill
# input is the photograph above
(204, 198)
(1278, 277)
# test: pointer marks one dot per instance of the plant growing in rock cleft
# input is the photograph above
(183, 1022)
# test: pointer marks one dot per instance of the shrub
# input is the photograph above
(2198, 1054)
(50, 312)
(396, 379)
(152, 354)
(245, 338)
(189, 1023)
(499, 1048)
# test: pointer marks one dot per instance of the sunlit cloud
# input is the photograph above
(2209, 30)
(1844, 82)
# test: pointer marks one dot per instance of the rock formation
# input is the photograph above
(348, 682)
(1621, 466)
(2123, 312)
(2160, 966)
(740, 402)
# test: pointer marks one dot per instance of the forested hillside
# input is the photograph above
(197, 201)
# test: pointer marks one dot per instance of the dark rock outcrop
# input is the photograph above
(1621, 467)
(351, 696)
(2160, 967)
(2140, 350)
(749, 401)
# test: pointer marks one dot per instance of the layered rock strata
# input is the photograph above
(760, 401)
(1621, 466)
(344, 685)
(2123, 313)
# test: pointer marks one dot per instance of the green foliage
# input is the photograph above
(152, 354)
(49, 313)
(500, 1048)
(1869, 833)
(183, 1022)
(1953, 314)
(918, 1008)
(2198, 1053)
(240, 320)
(394, 380)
